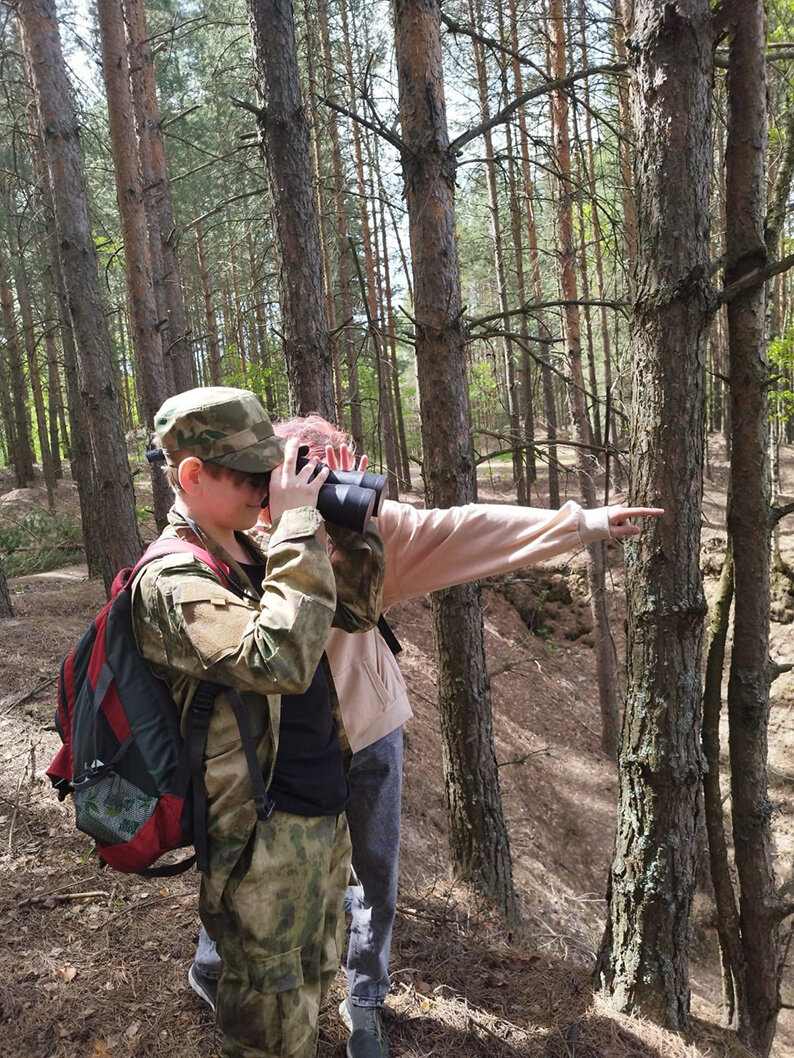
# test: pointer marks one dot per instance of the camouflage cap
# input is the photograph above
(222, 425)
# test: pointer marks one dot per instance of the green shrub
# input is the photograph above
(37, 541)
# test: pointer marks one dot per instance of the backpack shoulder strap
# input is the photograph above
(161, 548)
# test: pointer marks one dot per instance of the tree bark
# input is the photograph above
(586, 463)
(6, 609)
(342, 246)
(285, 136)
(32, 356)
(150, 375)
(750, 524)
(20, 440)
(179, 349)
(643, 965)
(213, 340)
(478, 837)
(42, 47)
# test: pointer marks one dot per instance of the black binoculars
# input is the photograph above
(348, 497)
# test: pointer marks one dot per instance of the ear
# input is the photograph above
(190, 474)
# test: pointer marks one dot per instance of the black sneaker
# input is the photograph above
(204, 987)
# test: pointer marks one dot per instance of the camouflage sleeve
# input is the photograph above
(189, 623)
(359, 561)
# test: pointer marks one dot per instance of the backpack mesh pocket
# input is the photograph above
(112, 810)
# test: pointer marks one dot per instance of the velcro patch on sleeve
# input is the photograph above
(214, 619)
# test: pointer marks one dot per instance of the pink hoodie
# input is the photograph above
(428, 550)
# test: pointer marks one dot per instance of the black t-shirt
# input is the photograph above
(309, 778)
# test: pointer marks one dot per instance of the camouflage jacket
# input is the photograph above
(190, 627)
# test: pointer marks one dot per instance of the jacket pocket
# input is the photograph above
(380, 679)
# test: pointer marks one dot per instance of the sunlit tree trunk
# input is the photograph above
(42, 47)
(213, 342)
(20, 440)
(643, 965)
(285, 136)
(478, 837)
(586, 463)
(178, 352)
(147, 345)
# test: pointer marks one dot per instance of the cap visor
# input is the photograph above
(257, 458)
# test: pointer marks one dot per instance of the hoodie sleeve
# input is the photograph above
(431, 549)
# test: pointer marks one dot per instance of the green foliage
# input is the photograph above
(36, 541)
(781, 359)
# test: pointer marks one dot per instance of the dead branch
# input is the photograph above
(62, 898)
(30, 694)
(549, 86)
(522, 760)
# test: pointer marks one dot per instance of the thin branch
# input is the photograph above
(252, 108)
(549, 86)
(534, 306)
(178, 117)
(380, 130)
(30, 694)
(220, 208)
(524, 759)
(778, 513)
(490, 42)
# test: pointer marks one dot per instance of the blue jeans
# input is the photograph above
(373, 815)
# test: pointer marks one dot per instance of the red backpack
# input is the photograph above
(137, 784)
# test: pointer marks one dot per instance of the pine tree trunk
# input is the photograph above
(643, 965)
(586, 465)
(750, 525)
(20, 440)
(307, 346)
(511, 382)
(342, 248)
(213, 342)
(34, 370)
(42, 47)
(150, 376)
(178, 352)
(478, 837)
(78, 448)
(625, 13)
(6, 609)
(54, 393)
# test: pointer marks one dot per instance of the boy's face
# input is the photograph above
(230, 502)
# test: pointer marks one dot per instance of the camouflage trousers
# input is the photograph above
(279, 931)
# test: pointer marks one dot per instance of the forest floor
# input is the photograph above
(95, 964)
